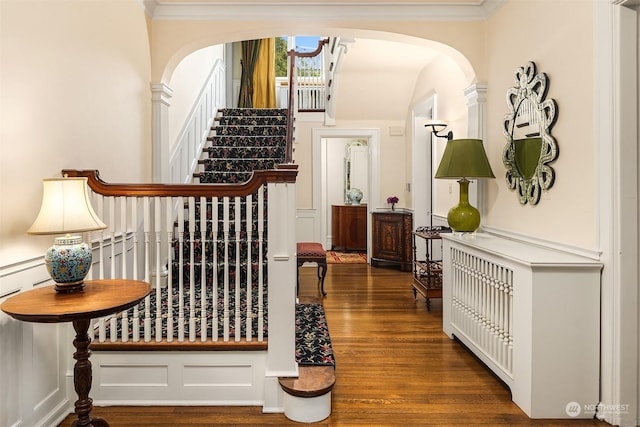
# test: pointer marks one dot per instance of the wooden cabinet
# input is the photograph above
(349, 227)
(391, 234)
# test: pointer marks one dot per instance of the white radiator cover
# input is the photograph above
(531, 314)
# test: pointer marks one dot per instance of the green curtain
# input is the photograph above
(250, 49)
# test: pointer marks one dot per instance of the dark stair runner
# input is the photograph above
(244, 140)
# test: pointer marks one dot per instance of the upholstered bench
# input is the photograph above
(312, 252)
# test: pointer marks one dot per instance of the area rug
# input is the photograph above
(334, 257)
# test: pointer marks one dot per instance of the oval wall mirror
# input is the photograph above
(530, 147)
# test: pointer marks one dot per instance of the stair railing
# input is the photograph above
(190, 241)
(312, 82)
(306, 87)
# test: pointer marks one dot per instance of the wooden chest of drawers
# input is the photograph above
(349, 227)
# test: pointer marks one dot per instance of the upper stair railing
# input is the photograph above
(312, 83)
(206, 250)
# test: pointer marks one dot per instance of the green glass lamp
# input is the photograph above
(464, 159)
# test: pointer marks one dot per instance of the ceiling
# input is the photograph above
(383, 55)
(316, 2)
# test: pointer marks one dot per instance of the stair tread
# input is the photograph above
(312, 381)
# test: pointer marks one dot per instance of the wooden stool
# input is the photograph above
(312, 252)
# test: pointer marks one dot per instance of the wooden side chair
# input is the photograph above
(312, 252)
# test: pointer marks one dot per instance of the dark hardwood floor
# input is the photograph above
(394, 366)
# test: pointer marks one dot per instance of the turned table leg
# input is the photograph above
(82, 377)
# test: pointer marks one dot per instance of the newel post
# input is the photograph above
(282, 278)
(282, 287)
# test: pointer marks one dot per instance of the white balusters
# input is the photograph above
(136, 267)
(225, 261)
(169, 230)
(124, 336)
(214, 244)
(260, 237)
(192, 270)
(249, 222)
(156, 238)
(180, 269)
(147, 265)
(158, 263)
(482, 294)
(238, 244)
(203, 268)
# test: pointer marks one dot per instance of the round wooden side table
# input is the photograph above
(98, 298)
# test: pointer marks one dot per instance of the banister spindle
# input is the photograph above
(157, 208)
(214, 244)
(249, 284)
(170, 238)
(181, 320)
(238, 269)
(225, 292)
(192, 270)
(147, 265)
(203, 268)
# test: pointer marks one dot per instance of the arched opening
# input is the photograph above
(402, 70)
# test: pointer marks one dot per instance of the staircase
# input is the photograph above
(243, 140)
(232, 243)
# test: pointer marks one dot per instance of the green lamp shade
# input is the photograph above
(462, 159)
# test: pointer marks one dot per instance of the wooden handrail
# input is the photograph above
(283, 174)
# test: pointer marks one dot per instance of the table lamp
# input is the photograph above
(463, 159)
(66, 209)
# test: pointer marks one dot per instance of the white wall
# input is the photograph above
(444, 78)
(561, 47)
(74, 81)
(186, 82)
(75, 94)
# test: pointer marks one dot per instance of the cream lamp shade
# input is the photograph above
(66, 208)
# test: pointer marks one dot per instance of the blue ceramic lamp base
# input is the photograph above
(68, 262)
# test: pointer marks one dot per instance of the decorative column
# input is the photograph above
(476, 97)
(160, 95)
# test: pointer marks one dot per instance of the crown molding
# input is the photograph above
(300, 10)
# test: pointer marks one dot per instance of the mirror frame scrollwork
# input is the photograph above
(529, 94)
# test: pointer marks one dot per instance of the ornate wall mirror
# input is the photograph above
(356, 171)
(530, 147)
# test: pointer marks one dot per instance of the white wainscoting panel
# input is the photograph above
(33, 357)
(308, 225)
(209, 378)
